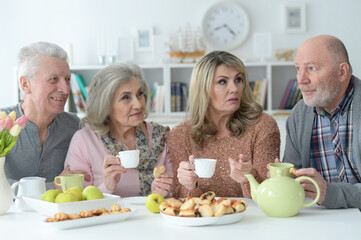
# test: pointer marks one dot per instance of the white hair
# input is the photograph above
(30, 56)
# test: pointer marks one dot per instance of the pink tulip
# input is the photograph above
(8, 122)
(2, 124)
(3, 115)
(22, 121)
(15, 130)
(12, 115)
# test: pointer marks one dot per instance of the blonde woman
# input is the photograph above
(225, 123)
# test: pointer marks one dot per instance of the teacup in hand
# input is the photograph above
(129, 159)
(205, 167)
(67, 181)
(283, 168)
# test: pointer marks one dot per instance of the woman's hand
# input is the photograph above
(163, 184)
(112, 171)
(240, 168)
(186, 175)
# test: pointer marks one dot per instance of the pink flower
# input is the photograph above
(15, 130)
(8, 122)
(22, 121)
(2, 124)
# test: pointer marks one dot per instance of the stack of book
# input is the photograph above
(78, 91)
(292, 95)
(259, 89)
(179, 96)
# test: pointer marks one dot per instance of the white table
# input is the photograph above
(311, 223)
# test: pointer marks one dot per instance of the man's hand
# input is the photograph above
(310, 189)
(68, 171)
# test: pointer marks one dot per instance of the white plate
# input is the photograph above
(135, 200)
(202, 221)
(49, 208)
(85, 222)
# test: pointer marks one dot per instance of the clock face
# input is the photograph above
(225, 25)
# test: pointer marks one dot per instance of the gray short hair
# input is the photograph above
(30, 56)
(102, 90)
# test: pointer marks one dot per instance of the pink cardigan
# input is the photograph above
(86, 152)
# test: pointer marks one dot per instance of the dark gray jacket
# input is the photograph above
(297, 151)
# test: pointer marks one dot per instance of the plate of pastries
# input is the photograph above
(62, 220)
(204, 210)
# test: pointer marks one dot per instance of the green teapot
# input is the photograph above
(280, 196)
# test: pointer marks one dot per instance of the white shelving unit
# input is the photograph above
(277, 73)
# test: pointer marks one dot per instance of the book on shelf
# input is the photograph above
(81, 84)
(78, 97)
(263, 92)
(157, 98)
(259, 89)
(292, 95)
(179, 96)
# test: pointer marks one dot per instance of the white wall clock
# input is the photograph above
(225, 25)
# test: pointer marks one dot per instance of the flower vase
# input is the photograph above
(6, 196)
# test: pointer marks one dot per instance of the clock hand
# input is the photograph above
(230, 30)
(219, 27)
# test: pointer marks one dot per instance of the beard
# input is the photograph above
(326, 93)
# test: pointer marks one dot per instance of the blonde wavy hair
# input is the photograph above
(200, 92)
(102, 90)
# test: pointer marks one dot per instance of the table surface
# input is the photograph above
(314, 222)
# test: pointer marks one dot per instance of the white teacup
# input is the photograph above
(129, 158)
(27, 186)
(205, 167)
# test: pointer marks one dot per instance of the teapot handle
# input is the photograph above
(299, 179)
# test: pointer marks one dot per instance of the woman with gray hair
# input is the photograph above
(225, 123)
(114, 122)
(44, 80)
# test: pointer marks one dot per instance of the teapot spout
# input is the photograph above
(254, 186)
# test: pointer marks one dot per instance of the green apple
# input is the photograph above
(153, 201)
(77, 188)
(91, 193)
(66, 197)
(50, 195)
(76, 192)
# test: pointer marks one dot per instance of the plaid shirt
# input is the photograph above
(322, 151)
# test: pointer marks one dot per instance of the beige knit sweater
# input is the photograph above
(260, 142)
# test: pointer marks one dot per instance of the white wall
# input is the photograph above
(79, 22)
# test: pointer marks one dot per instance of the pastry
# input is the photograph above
(115, 208)
(73, 216)
(158, 171)
(125, 210)
(205, 211)
(187, 205)
(60, 216)
(98, 211)
(49, 219)
(239, 206)
(218, 209)
(189, 213)
(163, 206)
(85, 214)
(175, 202)
(171, 211)
(208, 196)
